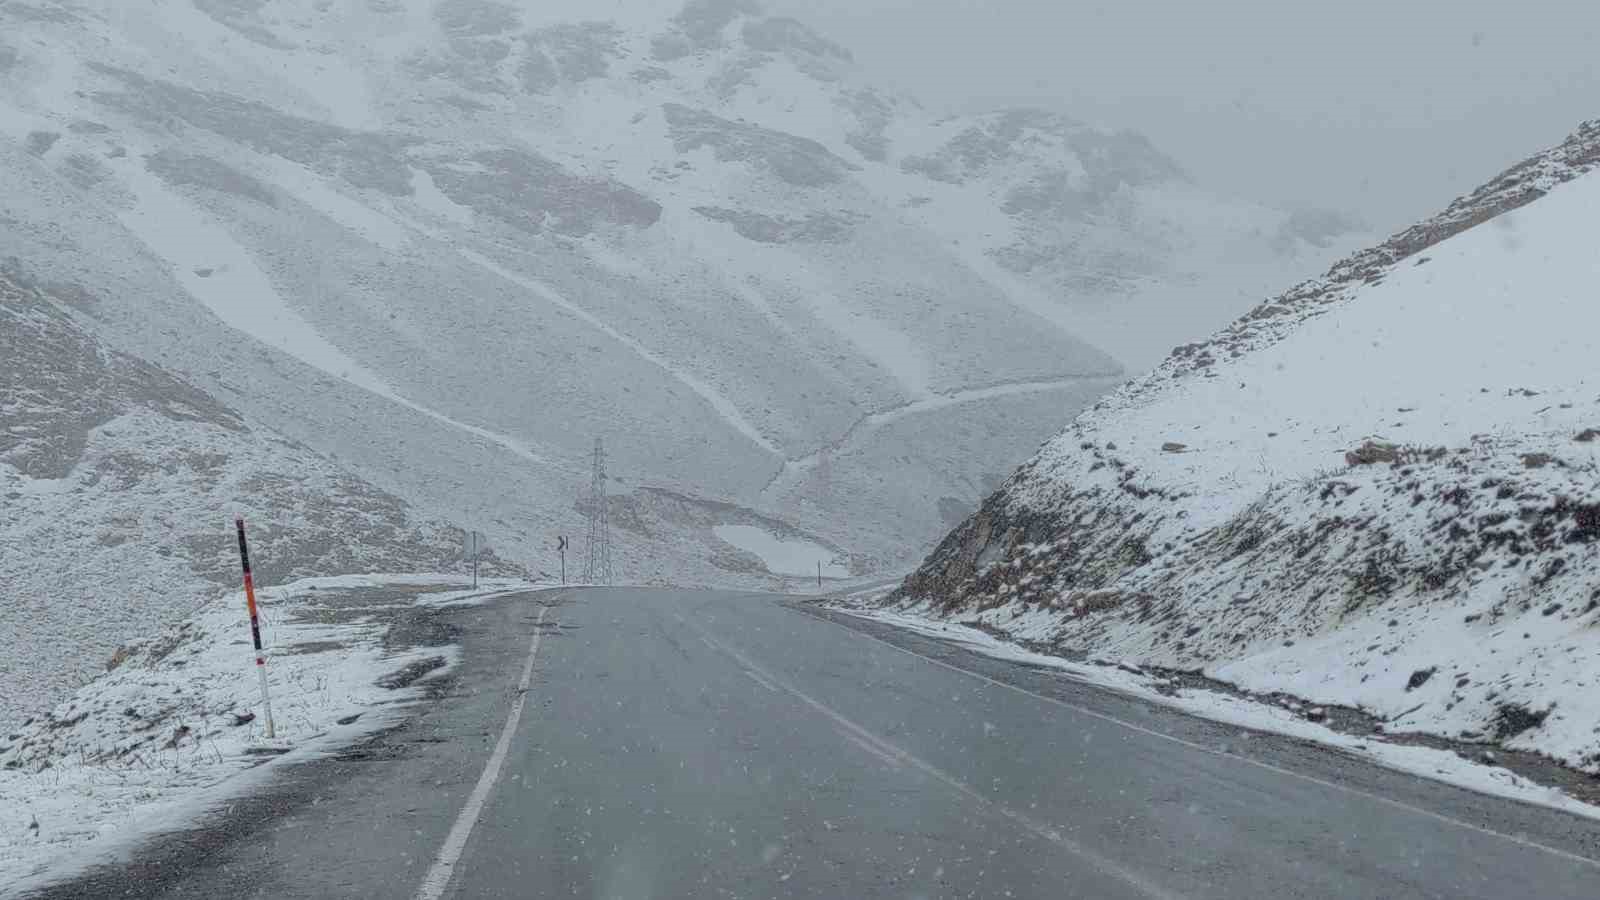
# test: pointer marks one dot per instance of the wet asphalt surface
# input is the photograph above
(692, 744)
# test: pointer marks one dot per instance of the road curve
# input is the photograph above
(691, 744)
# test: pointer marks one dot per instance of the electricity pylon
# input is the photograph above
(598, 570)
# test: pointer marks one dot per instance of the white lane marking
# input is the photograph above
(761, 681)
(893, 753)
(1279, 770)
(871, 749)
(438, 877)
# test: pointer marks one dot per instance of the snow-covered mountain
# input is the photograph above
(1100, 232)
(1380, 489)
(451, 242)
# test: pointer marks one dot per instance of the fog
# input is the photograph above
(1384, 109)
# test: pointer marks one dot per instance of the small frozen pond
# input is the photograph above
(783, 556)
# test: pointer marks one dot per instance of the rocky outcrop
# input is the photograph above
(569, 54)
(1085, 536)
(812, 228)
(60, 384)
(364, 159)
(534, 194)
(796, 160)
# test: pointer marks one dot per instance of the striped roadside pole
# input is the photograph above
(255, 623)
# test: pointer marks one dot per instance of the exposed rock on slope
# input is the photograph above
(118, 482)
(1454, 365)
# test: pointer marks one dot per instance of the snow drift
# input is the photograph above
(174, 728)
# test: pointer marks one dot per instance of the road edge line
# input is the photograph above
(438, 878)
(1270, 767)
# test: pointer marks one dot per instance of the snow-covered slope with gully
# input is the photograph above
(118, 483)
(1379, 490)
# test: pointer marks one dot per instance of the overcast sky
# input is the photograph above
(1385, 108)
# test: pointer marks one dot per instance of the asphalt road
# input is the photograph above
(681, 744)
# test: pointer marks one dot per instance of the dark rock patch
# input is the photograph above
(186, 170)
(534, 194)
(39, 143)
(813, 228)
(796, 160)
(1512, 719)
(782, 34)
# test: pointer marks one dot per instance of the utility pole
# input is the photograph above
(824, 478)
(598, 570)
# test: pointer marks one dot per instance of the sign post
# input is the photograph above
(255, 623)
(561, 545)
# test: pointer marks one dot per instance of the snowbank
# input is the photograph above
(1426, 762)
(175, 726)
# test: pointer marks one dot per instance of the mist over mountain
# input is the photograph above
(445, 246)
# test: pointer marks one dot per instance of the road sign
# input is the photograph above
(473, 546)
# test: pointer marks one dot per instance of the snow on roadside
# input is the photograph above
(175, 726)
(488, 589)
(1425, 762)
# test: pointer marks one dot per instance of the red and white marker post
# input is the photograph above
(255, 623)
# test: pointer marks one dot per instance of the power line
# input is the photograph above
(824, 478)
(598, 570)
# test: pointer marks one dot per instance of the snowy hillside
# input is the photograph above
(451, 242)
(1379, 490)
(119, 483)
